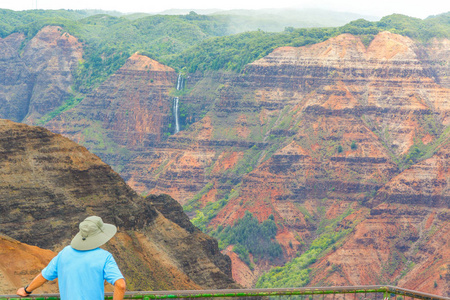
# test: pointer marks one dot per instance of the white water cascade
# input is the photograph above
(175, 104)
(175, 113)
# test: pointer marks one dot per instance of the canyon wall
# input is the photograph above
(338, 138)
(306, 134)
(36, 79)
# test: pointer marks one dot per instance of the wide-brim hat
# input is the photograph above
(93, 233)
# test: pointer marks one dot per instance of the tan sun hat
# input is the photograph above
(93, 233)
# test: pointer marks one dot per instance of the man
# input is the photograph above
(82, 267)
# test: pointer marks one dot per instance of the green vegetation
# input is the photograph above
(196, 42)
(247, 235)
(190, 205)
(72, 101)
(235, 51)
(297, 273)
(211, 209)
(204, 216)
(248, 162)
(110, 40)
(419, 151)
(31, 21)
(244, 255)
(250, 236)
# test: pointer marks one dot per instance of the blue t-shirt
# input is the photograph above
(81, 274)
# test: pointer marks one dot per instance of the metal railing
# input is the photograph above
(386, 292)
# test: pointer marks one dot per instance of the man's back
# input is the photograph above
(83, 267)
(81, 274)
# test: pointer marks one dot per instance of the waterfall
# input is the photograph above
(180, 83)
(175, 113)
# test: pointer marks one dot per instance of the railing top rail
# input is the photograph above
(255, 292)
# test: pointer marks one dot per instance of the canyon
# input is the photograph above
(336, 137)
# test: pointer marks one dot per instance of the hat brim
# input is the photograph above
(94, 241)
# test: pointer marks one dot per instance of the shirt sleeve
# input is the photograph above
(50, 272)
(111, 271)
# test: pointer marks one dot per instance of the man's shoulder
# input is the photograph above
(104, 252)
(93, 252)
(65, 250)
(99, 252)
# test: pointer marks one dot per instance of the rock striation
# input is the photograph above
(325, 127)
(49, 184)
(423, 184)
(129, 112)
(403, 244)
(356, 112)
(36, 80)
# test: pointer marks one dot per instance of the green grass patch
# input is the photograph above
(69, 103)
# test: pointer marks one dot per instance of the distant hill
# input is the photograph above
(187, 11)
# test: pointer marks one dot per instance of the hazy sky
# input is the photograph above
(414, 8)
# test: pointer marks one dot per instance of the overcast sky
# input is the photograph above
(414, 8)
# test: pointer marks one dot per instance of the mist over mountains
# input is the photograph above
(275, 20)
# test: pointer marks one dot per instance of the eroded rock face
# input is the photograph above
(425, 184)
(398, 243)
(130, 109)
(347, 111)
(16, 80)
(340, 113)
(402, 237)
(49, 184)
(303, 134)
(52, 56)
(382, 99)
(37, 80)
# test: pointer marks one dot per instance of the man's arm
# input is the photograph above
(119, 289)
(35, 283)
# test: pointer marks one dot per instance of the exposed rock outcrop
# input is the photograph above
(131, 109)
(36, 79)
(423, 184)
(399, 244)
(16, 80)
